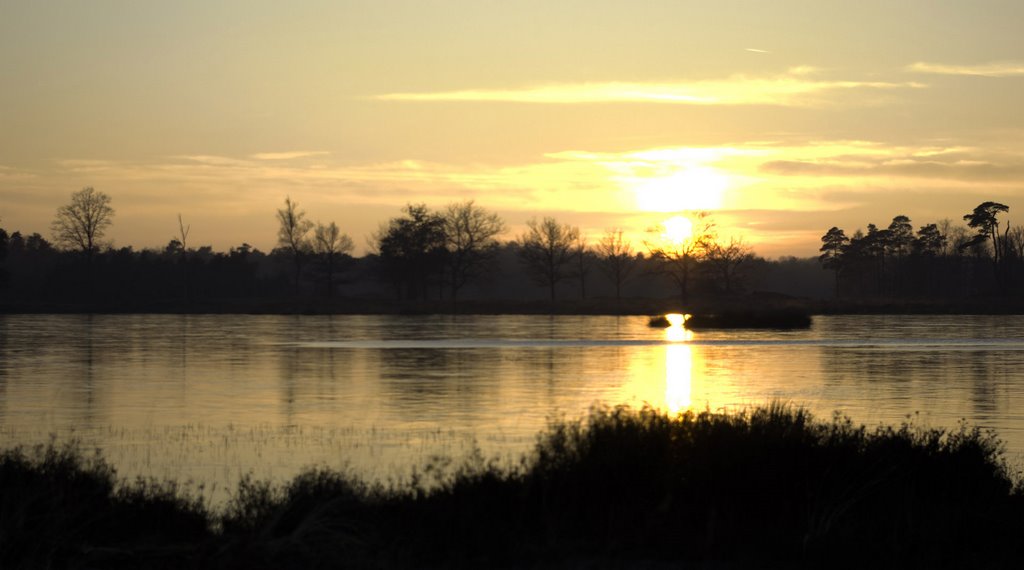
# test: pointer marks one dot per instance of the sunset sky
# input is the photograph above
(784, 118)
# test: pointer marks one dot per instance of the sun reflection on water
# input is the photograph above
(678, 377)
(678, 364)
(676, 331)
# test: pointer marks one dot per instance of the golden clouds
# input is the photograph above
(289, 155)
(994, 69)
(768, 192)
(793, 88)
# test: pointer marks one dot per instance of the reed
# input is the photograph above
(766, 487)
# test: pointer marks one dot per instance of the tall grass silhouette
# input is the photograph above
(767, 487)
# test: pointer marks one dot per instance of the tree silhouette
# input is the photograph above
(291, 235)
(900, 236)
(470, 234)
(412, 249)
(329, 246)
(984, 220)
(616, 259)
(678, 259)
(833, 245)
(928, 247)
(183, 252)
(899, 242)
(725, 260)
(546, 251)
(3, 257)
(930, 242)
(876, 245)
(82, 223)
(582, 261)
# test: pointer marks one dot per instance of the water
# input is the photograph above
(211, 398)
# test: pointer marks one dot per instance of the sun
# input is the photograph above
(694, 188)
(678, 229)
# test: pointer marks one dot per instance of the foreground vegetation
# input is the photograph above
(764, 488)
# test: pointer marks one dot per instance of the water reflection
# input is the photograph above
(678, 377)
(678, 365)
(660, 376)
(204, 396)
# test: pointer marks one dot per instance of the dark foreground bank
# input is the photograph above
(624, 488)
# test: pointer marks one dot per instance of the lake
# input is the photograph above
(210, 398)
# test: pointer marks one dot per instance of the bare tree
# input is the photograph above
(82, 223)
(4, 238)
(1015, 242)
(617, 260)
(957, 237)
(469, 234)
(582, 258)
(678, 258)
(183, 234)
(329, 244)
(726, 260)
(546, 250)
(291, 235)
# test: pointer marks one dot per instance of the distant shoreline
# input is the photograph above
(752, 304)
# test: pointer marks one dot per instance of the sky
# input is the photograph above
(782, 118)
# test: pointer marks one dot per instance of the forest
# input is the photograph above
(453, 258)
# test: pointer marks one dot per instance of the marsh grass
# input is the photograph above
(767, 487)
(61, 507)
(219, 455)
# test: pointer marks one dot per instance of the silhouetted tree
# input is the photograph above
(900, 236)
(725, 261)
(81, 224)
(899, 242)
(582, 261)
(470, 234)
(291, 235)
(3, 257)
(876, 245)
(183, 254)
(35, 242)
(412, 249)
(925, 261)
(1014, 242)
(678, 259)
(930, 241)
(546, 251)
(616, 259)
(833, 247)
(984, 220)
(330, 246)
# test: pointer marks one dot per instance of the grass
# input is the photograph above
(768, 487)
(61, 508)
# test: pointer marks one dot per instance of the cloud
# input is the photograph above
(960, 166)
(87, 166)
(759, 188)
(995, 69)
(290, 155)
(794, 88)
(755, 50)
(9, 173)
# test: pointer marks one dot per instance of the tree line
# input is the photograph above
(941, 259)
(423, 254)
